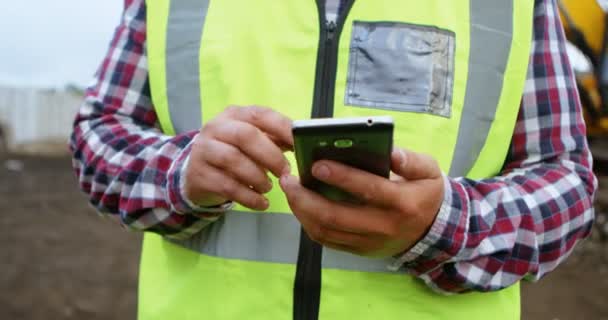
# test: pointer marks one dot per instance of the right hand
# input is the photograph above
(232, 154)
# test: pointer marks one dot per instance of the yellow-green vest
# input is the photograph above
(450, 72)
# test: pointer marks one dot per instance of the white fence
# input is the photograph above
(36, 120)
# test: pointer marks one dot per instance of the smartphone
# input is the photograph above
(363, 143)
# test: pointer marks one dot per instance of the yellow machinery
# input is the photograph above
(586, 27)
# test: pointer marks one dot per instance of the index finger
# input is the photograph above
(271, 122)
(254, 143)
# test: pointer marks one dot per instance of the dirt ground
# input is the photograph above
(59, 260)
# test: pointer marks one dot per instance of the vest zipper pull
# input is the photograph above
(331, 31)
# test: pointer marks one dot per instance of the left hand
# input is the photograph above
(395, 215)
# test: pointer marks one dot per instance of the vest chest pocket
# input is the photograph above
(401, 67)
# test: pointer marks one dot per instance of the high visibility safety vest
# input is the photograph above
(450, 72)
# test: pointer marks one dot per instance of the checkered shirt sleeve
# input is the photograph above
(126, 165)
(491, 233)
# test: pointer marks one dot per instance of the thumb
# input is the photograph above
(414, 166)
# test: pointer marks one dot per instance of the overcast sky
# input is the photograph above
(48, 43)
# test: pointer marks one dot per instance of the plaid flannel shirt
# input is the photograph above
(488, 234)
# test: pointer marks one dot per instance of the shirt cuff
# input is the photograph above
(447, 235)
(176, 190)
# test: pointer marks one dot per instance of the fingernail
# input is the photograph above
(265, 203)
(321, 171)
(284, 181)
(287, 169)
(269, 185)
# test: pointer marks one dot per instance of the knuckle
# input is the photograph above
(367, 196)
(318, 234)
(328, 219)
(287, 122)
(254, 200)
(233, 156)
(430, 161)
(231, 110)
(403, 205)
(209, 127)
(253, 175)
(338, 175)
(263, 184)
(279, 162)
(245, 133)
(255, 113)
(198, 145)
(228, 158)
(427, 158)
(228, 188)
(274, 163)
(373, 188)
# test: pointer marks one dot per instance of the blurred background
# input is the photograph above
(59, 260)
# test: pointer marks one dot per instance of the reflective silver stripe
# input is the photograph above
(184, 34)
(345, 261)
(491, 38)
(267, 237)
(249, 236)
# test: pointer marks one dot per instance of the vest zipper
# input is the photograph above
(325, 107)
(327, 59)
(307, 285)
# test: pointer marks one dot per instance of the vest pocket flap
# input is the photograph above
(402, 67)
